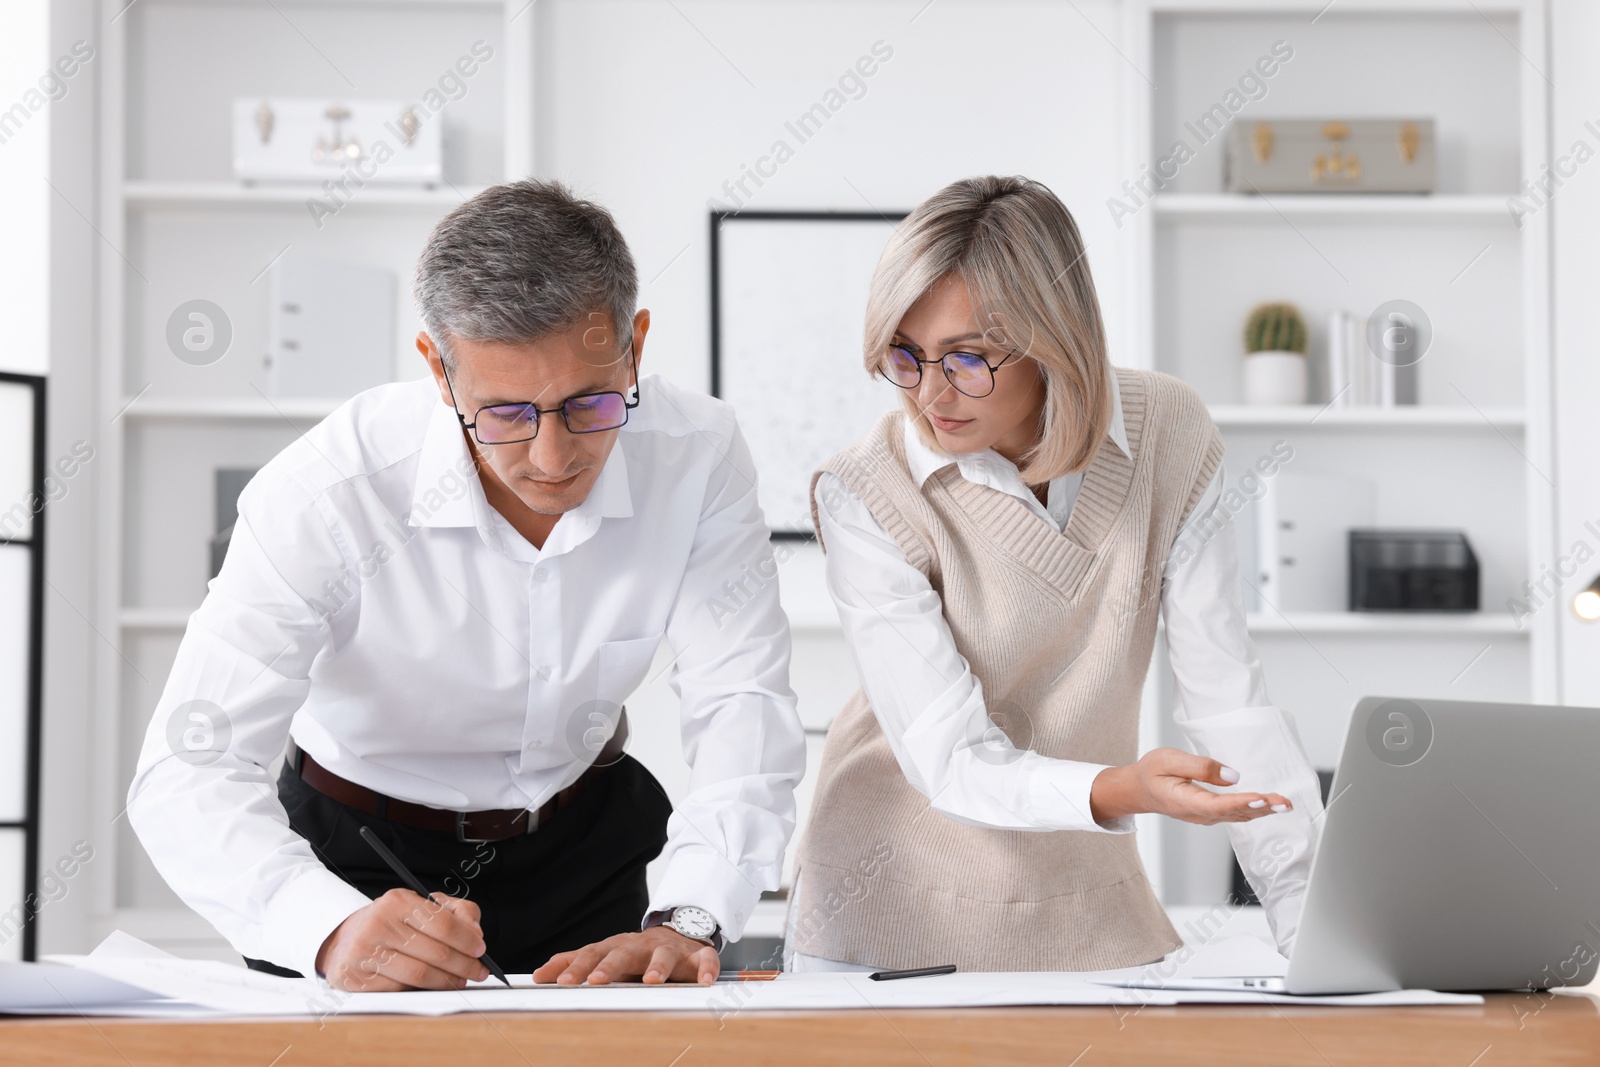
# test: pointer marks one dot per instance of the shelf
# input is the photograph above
(465, 4)
(227, 407)
(1351, 7)
(154, 618)
(170, 193)
(1181, 206)
(1429, 624)
(1404, 417)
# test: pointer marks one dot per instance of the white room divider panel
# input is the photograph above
(21, 593)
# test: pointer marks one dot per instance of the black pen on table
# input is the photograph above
(915, 972)
(416, 886)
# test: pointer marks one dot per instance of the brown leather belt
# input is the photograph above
(490, 824)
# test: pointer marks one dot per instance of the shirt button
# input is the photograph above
(544, 673)
(540, 575)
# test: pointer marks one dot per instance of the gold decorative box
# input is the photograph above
(1330, 156)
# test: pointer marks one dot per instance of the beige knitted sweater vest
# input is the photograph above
(1059, 628)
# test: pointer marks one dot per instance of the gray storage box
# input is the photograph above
(1330, 156)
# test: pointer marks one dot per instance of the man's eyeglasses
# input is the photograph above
(506, 424)
(968, 372)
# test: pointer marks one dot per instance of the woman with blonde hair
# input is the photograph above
(999, 552)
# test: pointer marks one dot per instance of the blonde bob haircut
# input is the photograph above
(1017, 249)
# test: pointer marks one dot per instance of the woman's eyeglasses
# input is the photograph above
(506, 424)
(968, 372)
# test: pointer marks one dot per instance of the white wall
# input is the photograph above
(24, 165)
(650, 111)
(650, 108)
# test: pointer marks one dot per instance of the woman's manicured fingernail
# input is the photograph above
(1256, 804)
(1229, 775)
(1280, 807)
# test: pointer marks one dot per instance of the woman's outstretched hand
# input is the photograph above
(1167, 782)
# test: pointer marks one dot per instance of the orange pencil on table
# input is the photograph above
(748, 976)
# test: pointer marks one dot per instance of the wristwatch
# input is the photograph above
(697, 924)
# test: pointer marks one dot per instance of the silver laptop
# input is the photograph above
(1460, 851)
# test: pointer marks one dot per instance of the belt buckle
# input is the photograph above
(461, 829)
(461, 832)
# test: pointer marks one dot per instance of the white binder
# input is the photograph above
(331, 329)
(1302, 534)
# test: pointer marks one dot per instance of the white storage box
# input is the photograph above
(281, 139)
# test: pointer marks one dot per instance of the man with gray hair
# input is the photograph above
(438, 598)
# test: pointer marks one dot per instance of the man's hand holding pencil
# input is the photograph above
(405, 941)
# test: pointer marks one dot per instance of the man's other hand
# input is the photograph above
(659, 954)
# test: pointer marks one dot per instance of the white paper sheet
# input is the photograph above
(1234, 956)
(58, 986)
(205, 988)
(174, 1010)
(38, 986)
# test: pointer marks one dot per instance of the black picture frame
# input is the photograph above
(719, 353)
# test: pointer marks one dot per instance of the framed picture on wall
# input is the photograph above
(788, 301)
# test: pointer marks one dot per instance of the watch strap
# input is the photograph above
(659, 918)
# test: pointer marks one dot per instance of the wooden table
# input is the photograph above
(1506, 1029)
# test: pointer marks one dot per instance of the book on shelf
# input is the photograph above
(1357, 377)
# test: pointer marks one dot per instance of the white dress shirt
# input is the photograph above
(376, 607)
(930, 705)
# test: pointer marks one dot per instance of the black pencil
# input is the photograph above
(915, 972)
(420, 890)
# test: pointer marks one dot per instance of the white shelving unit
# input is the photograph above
(1475, 453)
(181, 228)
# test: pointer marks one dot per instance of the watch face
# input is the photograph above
(693, 922)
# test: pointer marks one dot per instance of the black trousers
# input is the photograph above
(576, 880)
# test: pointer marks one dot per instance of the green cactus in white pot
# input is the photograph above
(1275, 355)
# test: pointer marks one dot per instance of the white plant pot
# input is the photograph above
(1274, 378)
